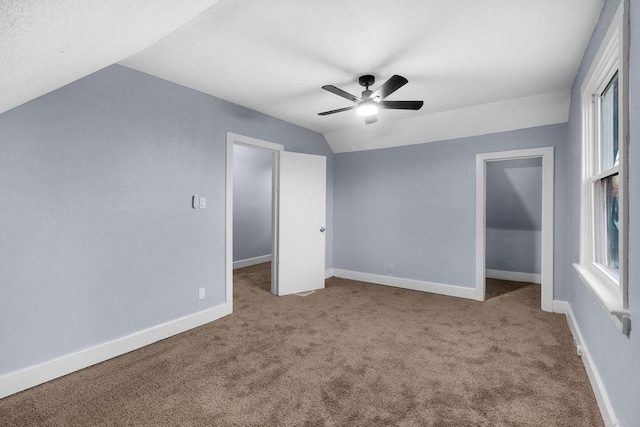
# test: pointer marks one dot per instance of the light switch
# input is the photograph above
(194, 201)
(203, 202)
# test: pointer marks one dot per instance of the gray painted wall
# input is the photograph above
(513, 250)
(414, 206)
(616, 357)
(252, 183)
(514, 215)
(98, 237)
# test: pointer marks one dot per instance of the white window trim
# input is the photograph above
(612, 57)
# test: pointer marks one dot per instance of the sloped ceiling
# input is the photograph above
(514, 194)
(480, 66)
(45, 45)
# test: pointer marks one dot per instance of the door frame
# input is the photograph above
(276, 149)
(547, 155)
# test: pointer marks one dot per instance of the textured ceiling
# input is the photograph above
(480, 66)
(47, 44)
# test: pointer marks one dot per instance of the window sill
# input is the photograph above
(608, 299)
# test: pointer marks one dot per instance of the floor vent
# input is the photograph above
(304, 294)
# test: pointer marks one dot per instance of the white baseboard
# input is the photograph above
(251, 261)
(560, 307)
(328, 273)
(604, 403)
(23, 379)
(416, 285)
(514, 276)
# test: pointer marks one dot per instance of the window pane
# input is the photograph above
(609, 125)
(607, 194)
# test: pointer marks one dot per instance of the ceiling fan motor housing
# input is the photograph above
(366, 94)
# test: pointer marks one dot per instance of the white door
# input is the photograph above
(302, 222)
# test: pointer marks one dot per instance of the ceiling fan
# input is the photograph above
(368, 104)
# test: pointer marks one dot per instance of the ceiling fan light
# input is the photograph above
(367, 109)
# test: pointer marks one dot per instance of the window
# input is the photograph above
(603, 233)
(606, 183)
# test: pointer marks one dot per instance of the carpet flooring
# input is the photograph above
(352, 354)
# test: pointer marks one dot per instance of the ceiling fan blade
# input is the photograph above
(401, 105)
(370, 119)
(341, 93)
(339, 110)
(390, 86)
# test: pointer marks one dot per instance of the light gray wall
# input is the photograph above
(98, 237)
(514, 215)
(513, 250)
(616, 357)
(252, 183)
(414, 206)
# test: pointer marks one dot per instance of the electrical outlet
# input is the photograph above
(390, 268)
(201, 293)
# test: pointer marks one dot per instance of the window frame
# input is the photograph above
(597, 175)
(611, 58)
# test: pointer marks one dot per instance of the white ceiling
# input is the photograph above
(274, 56)
(480, 66)
(45, 45)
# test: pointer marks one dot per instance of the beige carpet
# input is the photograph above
(351, 354)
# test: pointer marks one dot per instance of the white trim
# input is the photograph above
(328, 273)
(251, 261)
(253, 142)
(602, 397)
(23, 379)
(612, 57)
(560, 306)
(234, 138)
(547, 154)
(398, 282)
(513, 276)
(609, 300)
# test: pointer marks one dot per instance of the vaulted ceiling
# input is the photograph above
(480, 66)
(45, 45)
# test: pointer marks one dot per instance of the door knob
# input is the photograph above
(322, 229)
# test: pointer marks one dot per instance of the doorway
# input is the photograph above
(253, 170)
(273, 150)
(298, 209)
(484, 163)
